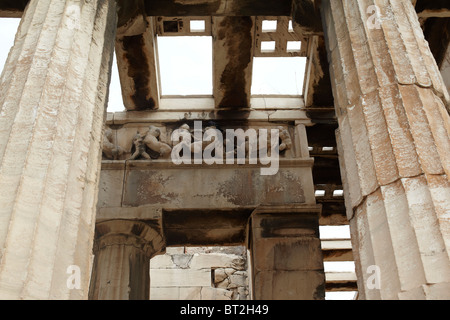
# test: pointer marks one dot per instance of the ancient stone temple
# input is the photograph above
(222, 196)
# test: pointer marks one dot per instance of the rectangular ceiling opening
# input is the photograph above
(185, 64)
(278, 75)
(197, 26)
(293, 46)
(290, 26)
(268, 46)
(269, 25)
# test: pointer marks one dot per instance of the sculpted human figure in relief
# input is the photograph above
(286, 142)
(151, 140)
(138, 141)
(109, 149)
(196, 141)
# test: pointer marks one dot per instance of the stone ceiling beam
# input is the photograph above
(218, 7)
(317, 86)
(437, 33)
(434, 17)
(137, 64)
(233, 46)
(306, 9)
(179, 8)
(131, 17)
(306, 19)
(438, 13)
(445, 69)
(12, 8)
(427, 7)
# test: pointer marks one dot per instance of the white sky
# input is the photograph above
(8, 29)
(186, 68)
(115, 103)
(197, 69)
(192, 55)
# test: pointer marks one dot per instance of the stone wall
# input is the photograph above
(200, 273)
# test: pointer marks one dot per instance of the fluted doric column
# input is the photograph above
(123, 249)
(394, 147)
(53, 96)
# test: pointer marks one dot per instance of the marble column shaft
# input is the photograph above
(394, 147)
(53, 96)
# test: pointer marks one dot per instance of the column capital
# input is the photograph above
(145, 236)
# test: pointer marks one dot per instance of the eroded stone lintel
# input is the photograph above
(208, 114)
(287, 220)
(168, 164)
(306, 209)
(224, 186)
(141, 213)
(205, 226)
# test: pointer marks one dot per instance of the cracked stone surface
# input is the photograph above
(216, 273)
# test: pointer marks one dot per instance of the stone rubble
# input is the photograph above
(224, 268)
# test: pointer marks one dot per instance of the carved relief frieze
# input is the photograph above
(162, 141)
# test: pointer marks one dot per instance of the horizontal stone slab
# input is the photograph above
(129, 213)
(202, 261)
(166, 163)
(228, 187)
(340, 276)
(180, 278)
(329, 244)
(185, 113)
(189, 293)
